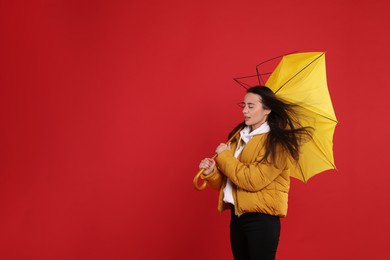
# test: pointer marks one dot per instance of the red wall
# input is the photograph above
(108, 106)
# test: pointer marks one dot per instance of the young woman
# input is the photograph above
(252, 173)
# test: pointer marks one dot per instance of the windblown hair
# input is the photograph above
(286, 131)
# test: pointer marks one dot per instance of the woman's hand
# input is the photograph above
(222, 147)
(208, 165)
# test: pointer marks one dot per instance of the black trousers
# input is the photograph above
(254, 236)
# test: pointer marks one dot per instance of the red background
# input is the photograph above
(108, 106)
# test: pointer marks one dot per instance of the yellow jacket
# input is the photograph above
(258, 186)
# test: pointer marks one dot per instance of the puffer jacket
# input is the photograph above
(258, 185)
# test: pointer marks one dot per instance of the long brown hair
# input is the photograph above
(286, 131)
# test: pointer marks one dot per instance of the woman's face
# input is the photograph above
(254, 113)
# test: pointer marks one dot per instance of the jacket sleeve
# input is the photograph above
(214, 178)
(251, 177)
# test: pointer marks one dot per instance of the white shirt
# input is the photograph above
(245, 136)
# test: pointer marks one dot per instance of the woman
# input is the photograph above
(252, 173)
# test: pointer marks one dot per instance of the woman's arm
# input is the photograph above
(250, 177)
(214, 178)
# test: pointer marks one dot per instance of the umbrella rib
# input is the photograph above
(327, 159)
(259, 78)
(334, 166)
(251, 76)
(242, 84)
(275, 58)
(298, 72)
(245, 85)
(303, 175)
(321, 115)
(331, 119)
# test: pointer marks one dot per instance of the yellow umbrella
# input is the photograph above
(300, 78)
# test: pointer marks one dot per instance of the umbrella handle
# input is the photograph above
(196, 178)
(199, 174)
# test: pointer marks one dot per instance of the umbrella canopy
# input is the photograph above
(300, 78)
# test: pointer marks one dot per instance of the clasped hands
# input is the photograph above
(208, 164)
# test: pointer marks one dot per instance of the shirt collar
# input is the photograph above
(245, 135)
